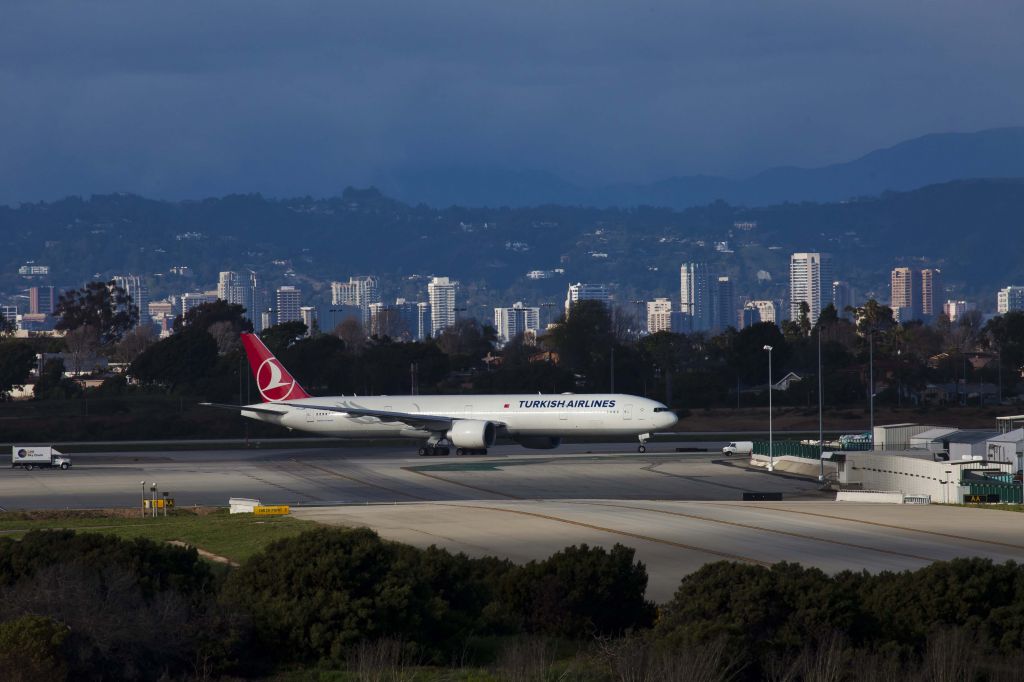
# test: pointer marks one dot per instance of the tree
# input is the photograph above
(282, 336)
(17, 359)
(32, 649)
(7, 327)
(179, 361)
(82, 343)
(134, 342)
(53, 385)
(351, 332)
(748, 357)
(205, 315)
(102, 305)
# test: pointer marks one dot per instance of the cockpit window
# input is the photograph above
(661, 409)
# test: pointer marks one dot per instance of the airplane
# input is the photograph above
(470, 423)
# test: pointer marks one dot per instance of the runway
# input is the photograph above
(679, 510)
(676, 538)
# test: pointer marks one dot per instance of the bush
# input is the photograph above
(317, 595)
(579, 592)
(32, 649)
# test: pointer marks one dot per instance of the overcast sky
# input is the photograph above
(189, 99)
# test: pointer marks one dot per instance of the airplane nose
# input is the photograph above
(671, 419)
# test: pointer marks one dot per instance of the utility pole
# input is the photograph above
(871, 388)
(771, 435)
(821, 402)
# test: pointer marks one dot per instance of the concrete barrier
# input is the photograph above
(879, 496)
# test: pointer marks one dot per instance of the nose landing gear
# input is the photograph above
(644, 437)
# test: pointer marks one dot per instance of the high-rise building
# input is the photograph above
(807, 273)
(195, 298)
(931, 292)
(41, 300)
(1010, 299)
(842, 297)
(694, 295)
(749, 316)
(289, 301)
(9, 313)
(443, 293)
(360, 290)
(659, 315)
(954, 309)
(137, 291)
(514, 321)
(398, 320)
(243, 289)
(424, 323)
(903, 295)
(723, 310)
(307, 314)
(586, 292)
(765, 311)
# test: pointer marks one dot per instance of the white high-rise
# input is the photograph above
(139, 293)
(807, 273)
(361, 291)
(659, 315)
(586, 292)
(519, 319)
(423, 318)
(242, 288)
(694, 295)
(1010, 299)
(443, 293)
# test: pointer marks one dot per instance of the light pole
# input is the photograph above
(152, 500)
(821, 442)
(143, 483)
(771, 437)
(871, 388)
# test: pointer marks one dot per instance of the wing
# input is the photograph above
(426, 422)
(245, 408)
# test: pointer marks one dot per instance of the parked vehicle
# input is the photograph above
(31, 456)
(740, 447)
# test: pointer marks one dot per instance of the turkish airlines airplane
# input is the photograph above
(470, 423)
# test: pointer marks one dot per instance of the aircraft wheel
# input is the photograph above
(484, 451)
(423, 452)
(460, 452)
(641, 449)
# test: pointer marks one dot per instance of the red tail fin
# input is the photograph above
(273, 380)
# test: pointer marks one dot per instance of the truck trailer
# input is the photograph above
(31, 456)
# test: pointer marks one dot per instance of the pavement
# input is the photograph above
(679, 510)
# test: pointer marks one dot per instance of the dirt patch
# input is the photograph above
(209, 556)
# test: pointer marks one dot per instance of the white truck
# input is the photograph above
(31, 456)
(739, 447)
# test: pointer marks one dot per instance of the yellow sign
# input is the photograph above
(271, 510)
(159, 503)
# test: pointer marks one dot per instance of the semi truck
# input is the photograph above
(31, 456)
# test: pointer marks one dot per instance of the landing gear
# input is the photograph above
(462, 452)
(644, 437)
(433, 451)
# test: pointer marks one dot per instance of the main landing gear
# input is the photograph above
(470, 451)
(433, 451)
(644, 437)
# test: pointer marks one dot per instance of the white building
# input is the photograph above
(955, 309)
(361, 290)
(807, 273)
(695, 295)
(242, 289)
(423, 321)
(307, 314)
(519, 319)
(659, 315)
(443, 293)
(137, 291)
(289, 303)
(195, 298)
(586, 292)
(1009, 299)
(765, 311)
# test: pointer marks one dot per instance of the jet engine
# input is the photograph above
(539, 442)
(472, 433)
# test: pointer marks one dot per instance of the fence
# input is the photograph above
(1007, 492)
(797, 449)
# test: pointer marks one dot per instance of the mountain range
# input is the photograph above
(931, 159)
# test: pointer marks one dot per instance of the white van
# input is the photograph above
(740, 447)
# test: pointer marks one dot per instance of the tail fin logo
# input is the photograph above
(271, 382)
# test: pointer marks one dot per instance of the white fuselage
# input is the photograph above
(521, 415)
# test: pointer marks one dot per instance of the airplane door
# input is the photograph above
(310, 416)
(627, 412)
